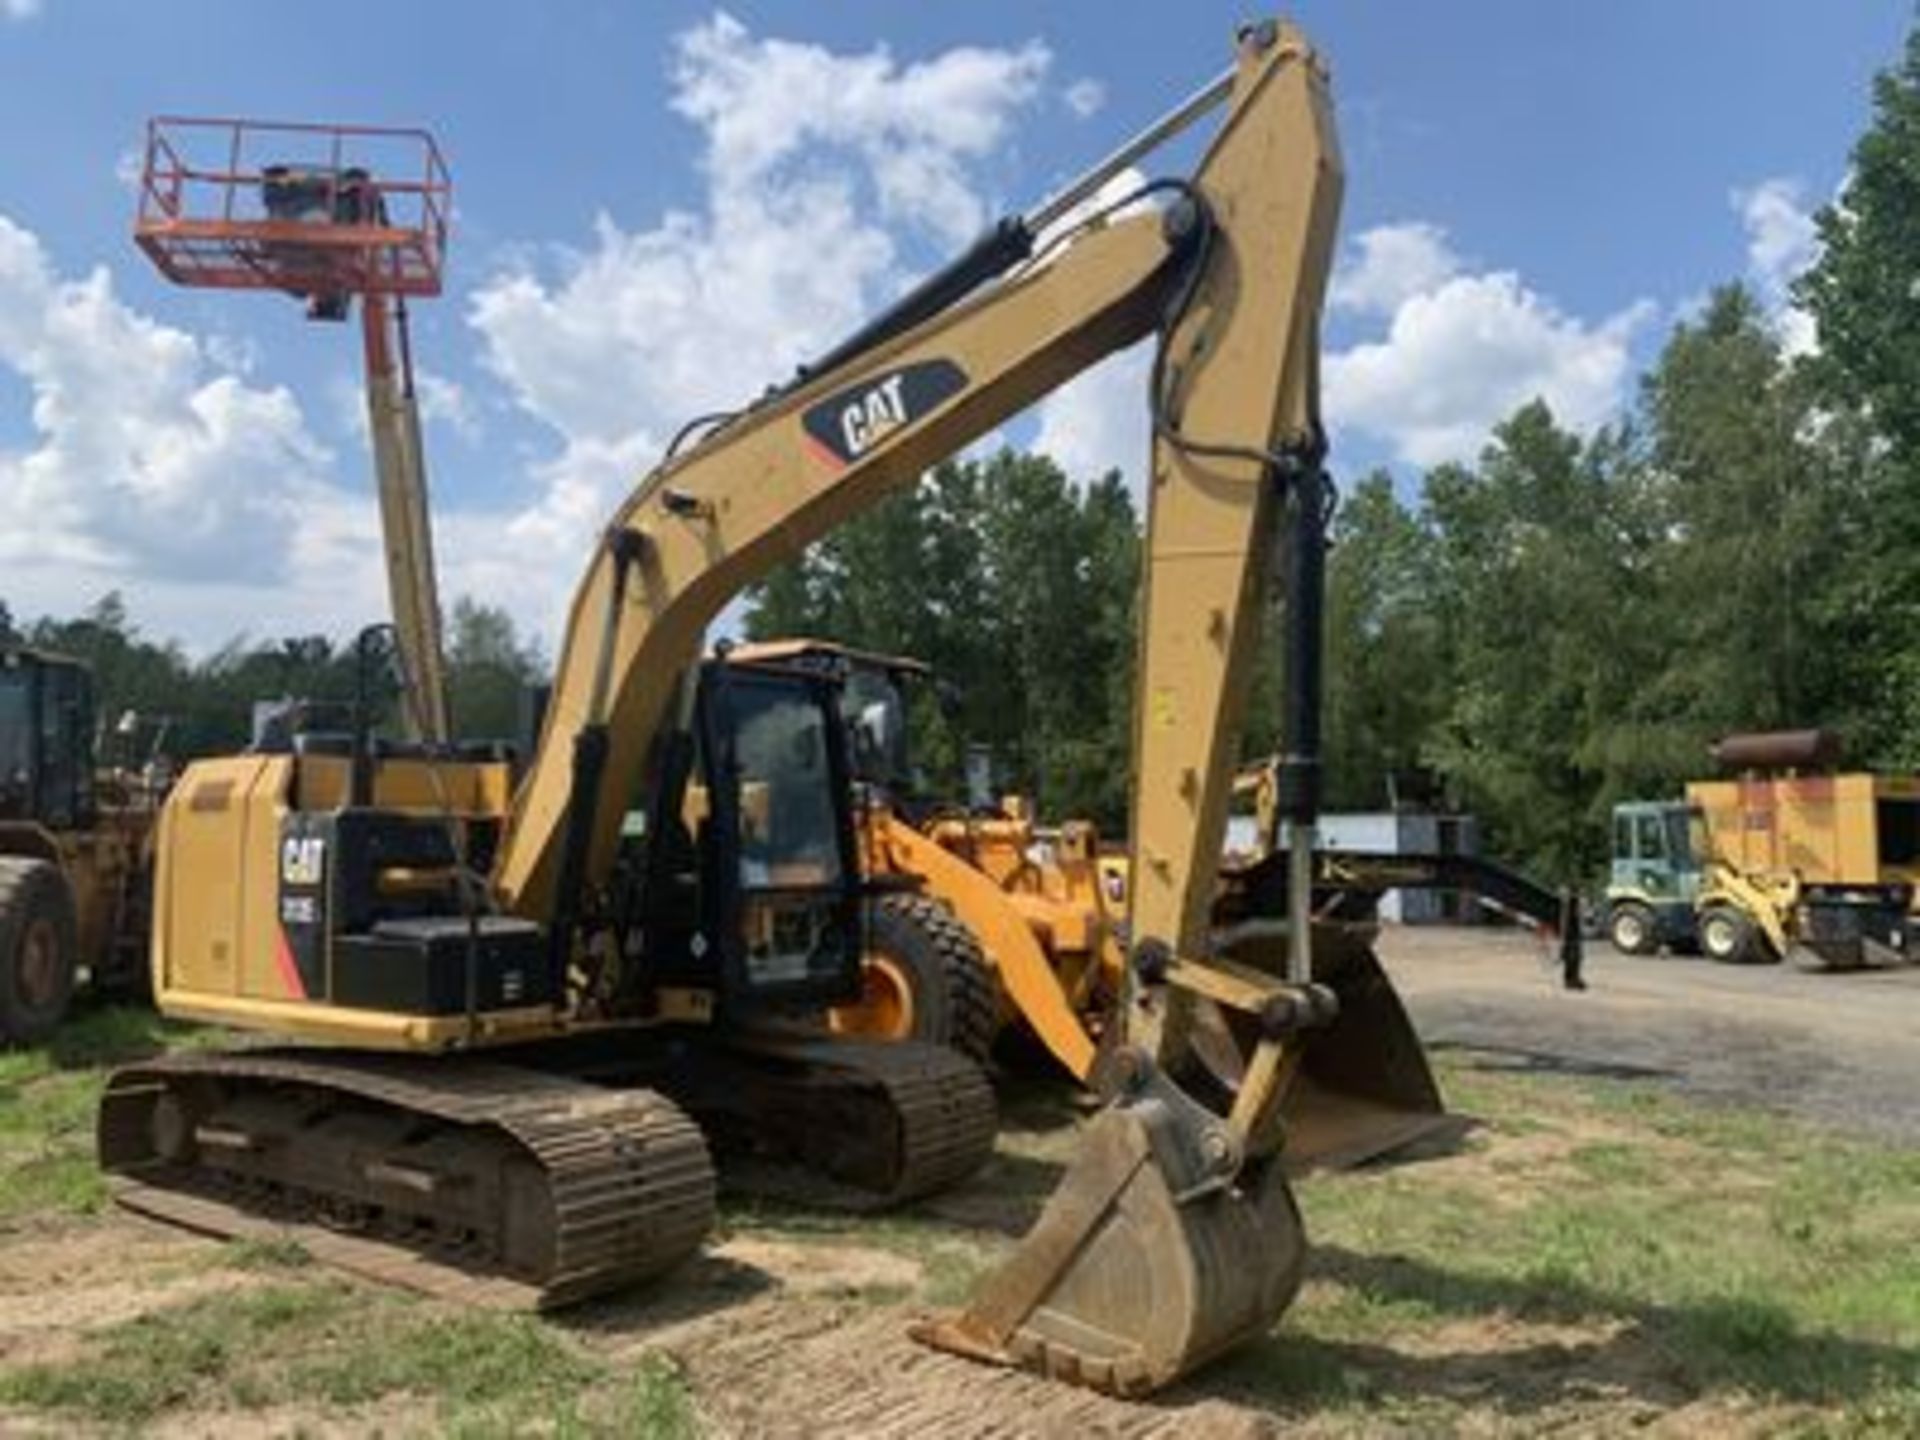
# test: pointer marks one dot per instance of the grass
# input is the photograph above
(1641, 1245)
(1601, 1254)
(337, 1349)
(47, 1101)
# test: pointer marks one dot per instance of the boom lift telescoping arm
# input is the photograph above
(400, 470)
(1231, 273)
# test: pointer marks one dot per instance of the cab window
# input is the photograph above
(1649, 837)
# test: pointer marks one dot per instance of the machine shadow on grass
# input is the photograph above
(1517, 1060)
(1660, 1355)
(103, 1033)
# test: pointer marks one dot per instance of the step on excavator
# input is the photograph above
(524, 1016)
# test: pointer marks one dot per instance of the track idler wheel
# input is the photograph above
(1161, 1248)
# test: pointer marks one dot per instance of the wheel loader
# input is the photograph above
(518, 1029)
(989, 921)
(74, 849)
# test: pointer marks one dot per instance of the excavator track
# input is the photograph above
(470, 1179)
(837, 1123)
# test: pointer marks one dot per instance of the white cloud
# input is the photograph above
(1099, 422)
(764, 101)
(818, 167)
(1463, 350)
(444, 401)
(1782, 241)
(155, 468)
(158, 465)
(1085, 97)
(1395, 263)
(148, 458)
(19, 9)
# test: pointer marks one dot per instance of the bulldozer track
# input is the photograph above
(624, 1188)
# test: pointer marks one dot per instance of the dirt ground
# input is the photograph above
(1838, 1049)
(779, 1331)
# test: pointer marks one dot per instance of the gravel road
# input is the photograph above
(1842, 1050)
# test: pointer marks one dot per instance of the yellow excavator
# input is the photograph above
(526, 1014)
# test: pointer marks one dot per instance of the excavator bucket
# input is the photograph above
(1159, 1250)
(1363, 1089)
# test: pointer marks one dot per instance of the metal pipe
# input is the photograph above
(1298, 778)
(1151, 138)
(1010, 241)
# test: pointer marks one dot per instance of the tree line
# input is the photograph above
(205, 706)
(1566, 622)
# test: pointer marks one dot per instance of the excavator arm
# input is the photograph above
(1236, 264)
(1175, 1235)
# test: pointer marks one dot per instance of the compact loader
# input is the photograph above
(521, 1027)
(1787, 857)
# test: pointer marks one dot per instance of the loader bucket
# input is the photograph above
(1364, 1089)
(1158, 1251)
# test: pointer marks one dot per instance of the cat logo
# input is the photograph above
(848, 425)
(303, 860)
(870, 417)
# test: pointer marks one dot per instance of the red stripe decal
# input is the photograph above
(283, 961)
(821, 453)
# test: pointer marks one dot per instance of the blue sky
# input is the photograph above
(1535, 192)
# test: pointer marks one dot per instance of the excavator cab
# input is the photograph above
(739, 872)
(776, 846)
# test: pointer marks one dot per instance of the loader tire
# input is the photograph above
(1730, 937)
(1631, 928)
(926, 978)
(37, 949)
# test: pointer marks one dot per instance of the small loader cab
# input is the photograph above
(1654, 878)
(46, 740)
(1653, 850)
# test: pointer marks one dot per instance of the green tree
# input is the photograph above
(1532, 590)
(1017, 586)
(1864, 294)
(1385, 647)
(1756, 511)
(489, 669)
(1862, 290)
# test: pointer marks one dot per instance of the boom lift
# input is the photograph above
(503, 1109)
(329, 214)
